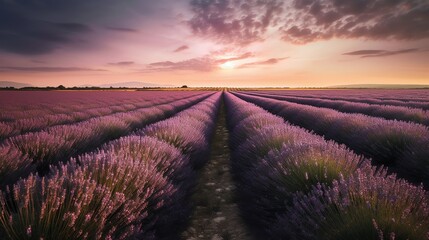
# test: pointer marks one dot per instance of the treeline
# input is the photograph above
(61, 87)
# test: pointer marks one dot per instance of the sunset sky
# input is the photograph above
(215, 42)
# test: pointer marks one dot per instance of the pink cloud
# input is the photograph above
(270, 61)
(181, 48)
(380, 53)
(201, 64)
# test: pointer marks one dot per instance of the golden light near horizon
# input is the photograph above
(227, 65)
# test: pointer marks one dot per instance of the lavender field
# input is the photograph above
(206, 164)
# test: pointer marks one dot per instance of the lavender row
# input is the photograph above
(136, 187)
(12, 113)
(19, 105)
(368, 100)
(400, 146)
(384, 111)
(295, 185)
(40, 121)
(405, 95)
(41, 149)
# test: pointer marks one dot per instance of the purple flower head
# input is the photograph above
(251, 125)
(349, 208)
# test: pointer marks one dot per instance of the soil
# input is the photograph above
(216, 215)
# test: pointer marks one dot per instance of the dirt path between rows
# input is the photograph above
(216, 214)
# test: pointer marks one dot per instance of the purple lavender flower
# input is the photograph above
(388, 142)
(403, 113)
(38, 208)
(251, 125)
(13, 165)
(165, 158)
(362, 206)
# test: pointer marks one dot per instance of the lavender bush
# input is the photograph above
(362, 96)
(59, 143)
(46, 208)
(363, 206)
(187, 133)
(136, 187)
(278, 165)
(270, 185)
(147, 193)
(13, 165)
(165, 158)
(376, 110)
(388, 142)
(189, 140)
(40, 117)
(252, 124)
(259, 144)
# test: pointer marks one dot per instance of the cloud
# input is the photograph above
(123, 63)
(238, 22)
(270, 61)
(310, 21)
(22, 34)
(380, 53)
(207, 63)
(181, 48)
(122, 29)
(365, 52)
(49, 69)
(38, 61)
(240, 57)
(201, 64)
(35, 27)
(74, 27)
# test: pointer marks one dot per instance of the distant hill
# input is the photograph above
(386, 86)
(4, 84)
(128, 85)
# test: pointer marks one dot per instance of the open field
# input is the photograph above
(214, 163)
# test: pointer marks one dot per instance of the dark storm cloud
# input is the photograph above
(181, 48)
(303, 21)
(22, 34)
(74, 27)
(239, 22)
(380, 53)
(33, 27)
(49, 69)
(270, 61)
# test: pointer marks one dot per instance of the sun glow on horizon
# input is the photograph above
(227, 65)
